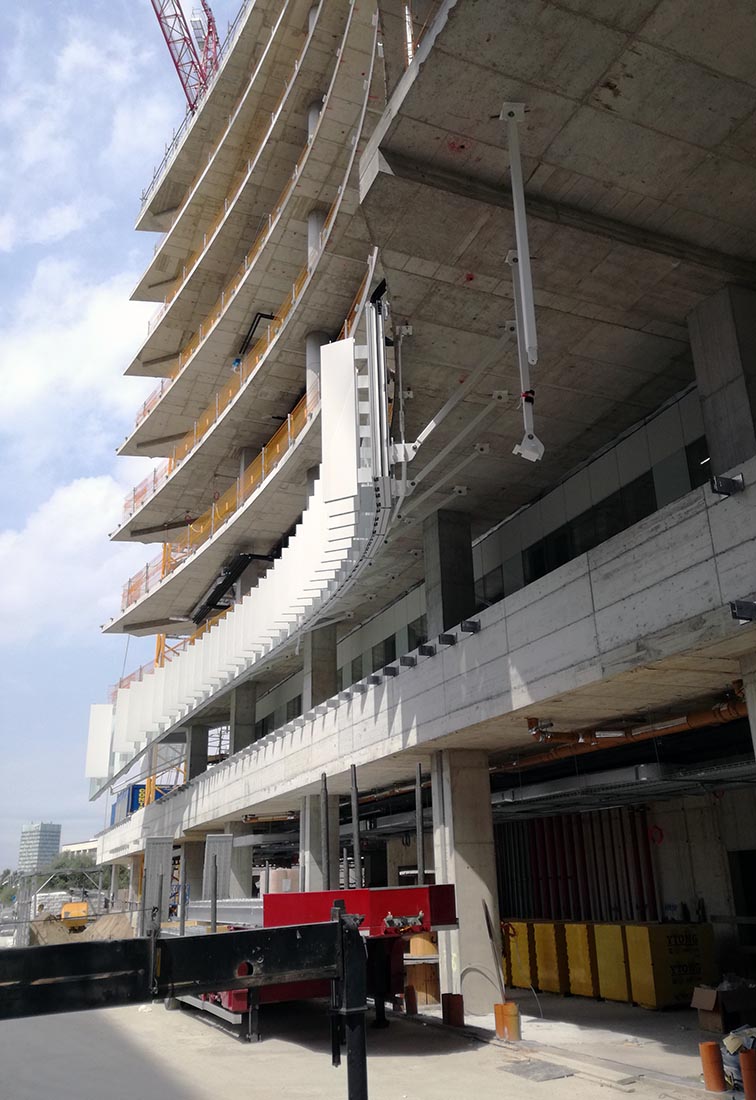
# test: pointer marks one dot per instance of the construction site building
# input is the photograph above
(359, 559)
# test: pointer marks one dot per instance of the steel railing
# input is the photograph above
(262, 466)
(233, 33)
(205, 526)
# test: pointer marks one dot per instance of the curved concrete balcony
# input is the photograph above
(251, 516)
(239, 416)
(263, 136)
(269, 267)
(340, 533)
(239, 413)
(180, 573)
(195, 141)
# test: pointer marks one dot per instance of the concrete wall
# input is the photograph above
(400, 855)
(690, 840)
(604, 634)
(393, 622)
(656, 446)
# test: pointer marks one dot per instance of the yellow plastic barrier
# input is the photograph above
(551, 956)
(582, 966)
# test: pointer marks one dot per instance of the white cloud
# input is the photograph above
(63, 124)
(71, 335)
(59, 579)
(62, 354)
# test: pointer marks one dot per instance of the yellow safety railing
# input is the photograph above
(204, 527)
(234, 29)
(223, 398)
(228, 292)
(237, 184)
(165, 653)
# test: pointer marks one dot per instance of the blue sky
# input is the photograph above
(89, 100)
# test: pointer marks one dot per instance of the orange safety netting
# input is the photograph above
(223, 399)
(237, 184)
(165, 653)
(205, 526)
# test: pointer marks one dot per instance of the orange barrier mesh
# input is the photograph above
(237, 184)
(205, 526)
(165, 653)
(233, 285)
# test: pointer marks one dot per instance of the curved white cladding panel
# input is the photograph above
(99, 740)
(340, 429)
(338, 534)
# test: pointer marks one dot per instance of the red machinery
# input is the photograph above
(391, 914)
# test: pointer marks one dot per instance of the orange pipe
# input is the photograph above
(507, 1017)
(748, 1073)
(718, 715)
(713, 1070)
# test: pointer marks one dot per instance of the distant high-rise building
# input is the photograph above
(40, 844)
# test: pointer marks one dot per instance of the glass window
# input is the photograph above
(609, 517)
(558, 548)
(534, 562)
(699, 466)
(512, 572)
(263, 727)
(357, 669)
(384, 653)
(417, 632)
(493, 586)
(294, 708)
(583, 532)
(638, 498)
(671, 478)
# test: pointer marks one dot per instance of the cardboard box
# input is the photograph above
(722, 1010)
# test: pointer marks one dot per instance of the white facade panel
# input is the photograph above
(99, 740)
(340, 425)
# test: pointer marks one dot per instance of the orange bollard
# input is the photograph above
(748, 1073)
(410, 1000)
(453, 1009)
(713, 1070)
(507, 1017)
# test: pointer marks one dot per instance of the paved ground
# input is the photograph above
(637, 1040)
(119, 1054)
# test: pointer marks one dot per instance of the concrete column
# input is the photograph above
(133, 883)
(315, 223)
(449, 582)
(313, 344)
(723, 342)
(243, 712)
(464, 855)
(193, 851)
(196, 751)
(311, 860)
(320, 673)
(313, 114)
(241, 861)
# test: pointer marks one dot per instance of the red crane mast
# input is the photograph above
(194, 69)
